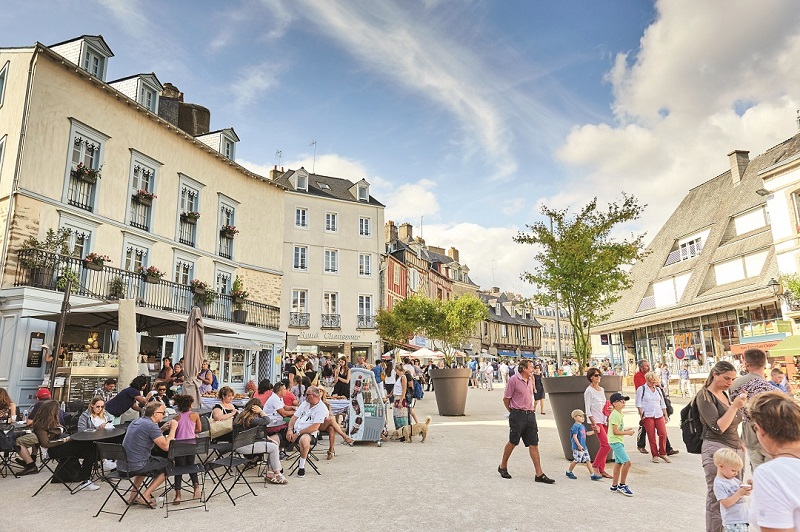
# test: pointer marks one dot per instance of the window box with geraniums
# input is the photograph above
(144, 197)
(95, 261)
(202, 293)
(151, 274)
(190, 217)
(229, 231)
(86, 174)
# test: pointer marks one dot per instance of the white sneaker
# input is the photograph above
(88, 485)
(109, 465)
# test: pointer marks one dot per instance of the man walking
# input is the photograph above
(638, 382)
(518, 400)
(754, 383)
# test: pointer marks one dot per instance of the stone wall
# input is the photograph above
(263, 287)
(24, 224)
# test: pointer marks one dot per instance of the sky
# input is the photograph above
(466, 116)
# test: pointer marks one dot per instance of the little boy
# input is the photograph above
(580, 454)
(778, 381)
(621, 461)
(729, 491)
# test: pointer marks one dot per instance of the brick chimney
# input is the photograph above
(406, 233)
(495, 290)
(453, 254)
(390, 231)
(739, 160)
(275, 173)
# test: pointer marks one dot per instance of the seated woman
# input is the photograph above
(252, 416)
(159, 394)
(53, 437)
(299, 390)
(277, 412)
(8, 412)
(225, 409)
(166, 370)
(289, 398)
(206, 377)
(264, 391)
(188, 424)
(178, 377)
(332, 427)
(95, 417)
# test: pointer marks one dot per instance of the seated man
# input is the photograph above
(29, 441)
(142, 434)
(107, 390)
(304, 425)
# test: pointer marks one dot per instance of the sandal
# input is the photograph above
(331, 454)
(277, 479)
(349, 441)
(655, 459)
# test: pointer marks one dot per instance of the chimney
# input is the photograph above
(739, 160)
(406, 232)
(495, 290)
(390, 232)
(275, 173)
(453, 254)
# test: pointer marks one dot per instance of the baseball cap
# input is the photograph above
(618, 397)
(577, 412)
(43, 394)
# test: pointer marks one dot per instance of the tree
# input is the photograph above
(580, 265)
(447, 324)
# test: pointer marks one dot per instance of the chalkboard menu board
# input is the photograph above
(82, 388)
(35, 350)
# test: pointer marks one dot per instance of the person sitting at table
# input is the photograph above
(178, 376)
(131, 397)
(8, 413)
(95, 417)
(252, 415)
(290, 399)
(107, 390)
(332, 427)
(277, 411)
(160, 395)
(7, 407)
(142, 435)
(52, 435)
(225, 409)
(166, 370)
(299, 390)
(206, 377)
(188, 424)
(304, 425)
(264, 391)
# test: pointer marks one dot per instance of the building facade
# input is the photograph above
(510, 330)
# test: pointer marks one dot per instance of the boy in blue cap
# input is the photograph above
(616, 431)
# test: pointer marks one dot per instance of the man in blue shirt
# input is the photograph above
(377, 369)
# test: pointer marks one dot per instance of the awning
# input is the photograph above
(231, 342)
(528, 354)
(506, 353)
(788, 346)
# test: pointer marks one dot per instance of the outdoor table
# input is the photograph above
(339, 406)
(99, 434)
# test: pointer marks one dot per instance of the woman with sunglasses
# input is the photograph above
(95, 417)
(594, 400)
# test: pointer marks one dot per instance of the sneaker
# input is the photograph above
(625, 490)
(544, 478)
(613, 489)
(301, 473)
(503, 472)
(29, 469)
(596, 477)
(109, 465)
(88, 485)
(571, 475)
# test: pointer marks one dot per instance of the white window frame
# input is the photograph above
(145, 164)
(396, 274)
(331, 222)
(81, 130)
(365, 190)
(76, 226)
(364, 265)
(136, 242)
(503, 330)
(228, 148)
(331, 262)
(364, 226)
(362, 298)
(303, 265)
(301, 212)
(302, 182)
(184, 260)
(299, 295)
(226, 218)
(187, 183)
(146, 90)
(223, 271)
(330, 301)
(90, 53)
(3, 80)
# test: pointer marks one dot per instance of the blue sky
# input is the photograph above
(471, 114)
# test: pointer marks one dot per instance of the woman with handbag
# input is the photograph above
(224, 411)
(653, 413)
(720, 418)
(594, 399)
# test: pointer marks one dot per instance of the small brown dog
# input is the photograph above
(408, 432)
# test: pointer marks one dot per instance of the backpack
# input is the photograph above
(692, 427)
(512, 370)
(214, 382)
(418, 392)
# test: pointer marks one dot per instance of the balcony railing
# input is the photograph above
(365, 322)
(46, 270)
(80, 193)
(331, 321)
(299, 319)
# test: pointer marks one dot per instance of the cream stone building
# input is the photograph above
(131, 172)
(333, 241)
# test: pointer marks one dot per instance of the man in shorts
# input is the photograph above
(304, 425)
(518, 400)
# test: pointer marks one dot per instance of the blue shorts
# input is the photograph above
(620, 456)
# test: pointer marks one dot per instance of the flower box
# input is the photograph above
(227, 233)
(143, 200)
(86, 178)
(190, 218)
(152, 279)
(89, 265)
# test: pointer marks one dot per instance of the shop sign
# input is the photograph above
(738, 349)
(330, 336)
(35, 350)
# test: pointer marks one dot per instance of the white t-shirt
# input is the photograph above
(594, 401)
(650, 401)
(271, 409)
(308, 415)
(775, 501)
(503, 368)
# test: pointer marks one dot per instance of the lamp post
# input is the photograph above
(777, 290)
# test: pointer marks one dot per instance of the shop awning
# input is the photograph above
(788, 346)
(231, 342)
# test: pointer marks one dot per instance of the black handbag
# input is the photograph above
(667, 402)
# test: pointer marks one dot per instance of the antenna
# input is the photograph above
(279, 155)
(798, 119)
(314, 162)
(420, 225)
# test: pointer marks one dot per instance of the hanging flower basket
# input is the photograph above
(229, 231)
(86, 174)
(144, 197)
(198, 287)
(190, 217)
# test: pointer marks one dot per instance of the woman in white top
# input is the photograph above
(653, 411)
(594, 399)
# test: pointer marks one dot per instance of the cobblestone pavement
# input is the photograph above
(450, 482)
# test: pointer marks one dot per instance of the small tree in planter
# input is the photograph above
(116, 288)
(239, 295)
(41, 257)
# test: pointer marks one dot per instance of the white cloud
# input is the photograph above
(252, 82)
(412, 201)
(272, 17)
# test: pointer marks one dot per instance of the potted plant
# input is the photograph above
(151, 274)
(203, 295)
(116, 288)
(239, 295)
(86, 174)
(68, 274)
(95, 261)
(229, 231)
(582, 268)
(144, 197)
(190, 217)
(41, 257)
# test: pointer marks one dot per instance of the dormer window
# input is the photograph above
(302, 182)
(363, 194)
(94, 63)
(147, 97)
(89, 52)
(228, 149)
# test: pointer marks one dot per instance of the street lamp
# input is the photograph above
(775, 286)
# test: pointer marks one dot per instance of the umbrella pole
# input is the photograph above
(60, 335)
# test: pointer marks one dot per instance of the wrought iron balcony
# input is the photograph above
(365, 322)
(299, 319)
(331, 321)
(49, 271)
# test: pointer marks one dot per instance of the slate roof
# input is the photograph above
(710, 205)
(339, 188)
(505, 316)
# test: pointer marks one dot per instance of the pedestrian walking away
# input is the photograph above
(518, 400)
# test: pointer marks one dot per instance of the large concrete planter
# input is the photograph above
(565, 395)
(451, 390)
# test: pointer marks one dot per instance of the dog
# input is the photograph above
(408, 432)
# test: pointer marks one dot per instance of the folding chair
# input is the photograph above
(310, 459)
(61, 466)
(8, 451)
(235, 465)
(115, 451)
(179, 448)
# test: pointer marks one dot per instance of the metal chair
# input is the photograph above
(310, 459)
(62, 465)
(115, 451)
(234, 464)
(180, 448)
(8, 451)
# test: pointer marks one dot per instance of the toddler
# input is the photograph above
(730, 491)
(580, 454)
(617, 430)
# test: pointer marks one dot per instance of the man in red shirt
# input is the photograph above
(639, 381)
(518, 400)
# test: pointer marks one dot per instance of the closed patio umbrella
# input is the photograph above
(193, 354)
